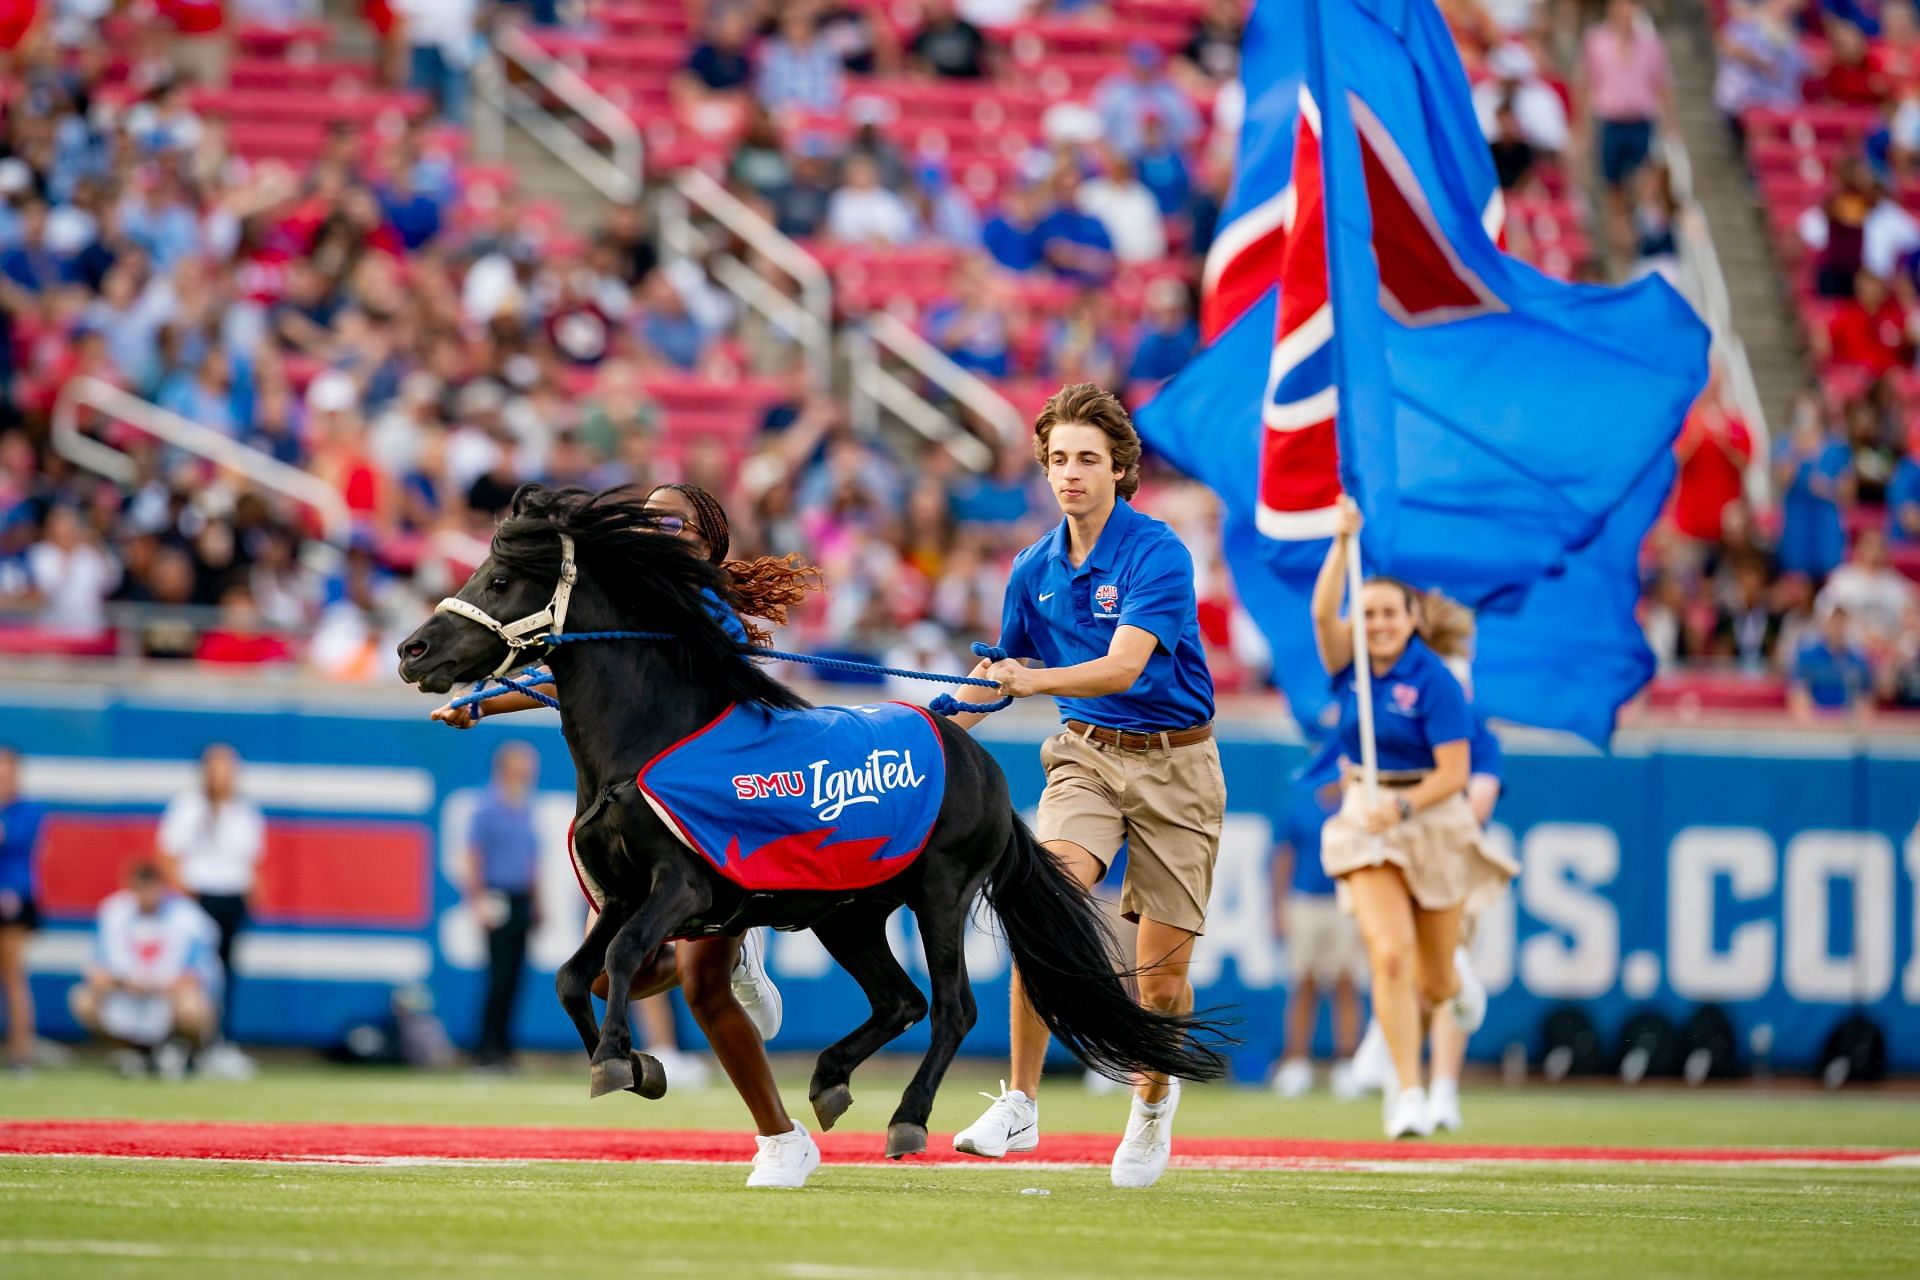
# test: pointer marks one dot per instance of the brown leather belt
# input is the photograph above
(1127, 740)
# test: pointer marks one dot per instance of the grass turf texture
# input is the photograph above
(108, 1218)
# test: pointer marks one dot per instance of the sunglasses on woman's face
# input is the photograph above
(673, 526)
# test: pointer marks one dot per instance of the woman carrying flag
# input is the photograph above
(1406, 849)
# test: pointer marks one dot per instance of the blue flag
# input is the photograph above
(1500, 430)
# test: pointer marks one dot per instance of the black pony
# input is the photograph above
(621, 702)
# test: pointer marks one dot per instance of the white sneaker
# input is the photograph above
(1443, 1106)
(1410, 1117)
(784, 1160)
(753, 988)
(1372, 1063)
(1469, 1004)
(1294, 1078)
(225, 1061)
(170, 1061)
(1012, 1123)
(1102, 1086)
(1342, 1081)
(1142, 1154)
(684, 1070)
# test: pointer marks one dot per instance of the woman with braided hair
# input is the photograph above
(723, 978)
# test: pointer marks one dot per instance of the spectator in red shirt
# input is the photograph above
(1851, 77)
(240, 636)
(1713, 451)
(200, 46)
(1869, 330)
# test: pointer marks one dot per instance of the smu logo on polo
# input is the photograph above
(1405, 696)
(832, 790)
(1106, 598)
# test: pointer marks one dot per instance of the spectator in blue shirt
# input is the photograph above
(1829, 673)
(29, 263)
(666, 324)
(1012, 235)
(1125, 99)
(503, 864)
(1163, 168)
(415, 215)
(19, 915)
(1074, 243)
(1813, 472)
(720, 64)
(1903, 496)
(799, 69)
(1002, 497)
(1168, 334)
(969, 326)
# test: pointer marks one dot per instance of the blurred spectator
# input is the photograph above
(1324, 952)
(1868, 331)
(1713, 450)
(20, 821)
(1761, 63)
(1903, 495)
(1126, 99)
(1012, 235)
(440, 42)
(1078, 346)
(1873, 594)
(1163, 170)
(1858, 227)
(720, 64)
(240, 637)
(1629, 88)
(501, 889)
(948, 45)
(941, 208)
(1513, 155)
(1515, 82)
(1125, 208)
(666, 325)
(1813, 475)
(1168, 333)
(1850, 77)
(850, 33)
(1000, 499)
(1211, 55)
(210, 842)
(1074, 243)
(759, 163)
(863, 211)
(1828, 672)
(971, 325)
(800, 208)
(1896, 54)
(993, 13)
(1655, 215)
(1874, 457)
(1748, 628)
(70, 576)
(798, 68)
(154, 976)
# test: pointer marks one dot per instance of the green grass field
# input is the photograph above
(90, 1217)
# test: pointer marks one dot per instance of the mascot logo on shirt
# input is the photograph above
(1107, 597)
(1404, 698)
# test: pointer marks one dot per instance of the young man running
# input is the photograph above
(1104, 605)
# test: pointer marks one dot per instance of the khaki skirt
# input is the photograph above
(1440, 850)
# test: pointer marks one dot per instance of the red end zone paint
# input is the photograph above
(446, 1142)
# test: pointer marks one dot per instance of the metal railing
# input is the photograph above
(808, 319)
(873, 387)
(261, 469)
(618, 175)
(1705, 285)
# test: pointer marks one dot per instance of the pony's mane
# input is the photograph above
(653, 580)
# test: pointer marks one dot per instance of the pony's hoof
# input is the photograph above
(649, 1077)
(830, 1104)
(611, 1076)
(905, 1140)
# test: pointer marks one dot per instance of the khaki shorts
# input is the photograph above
(1166, 804)
(1441, 852)
(1323, 942)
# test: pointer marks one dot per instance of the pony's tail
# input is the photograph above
(1064, 950)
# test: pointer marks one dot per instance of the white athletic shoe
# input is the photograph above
(784, 1160)
(1469, 1004)
(753, 988)
(1342, 1082)
(1012, 1123)
(1410, 1117)
(1372, 1063)
(1142, 1154)
(1294, 1078)
(1443, 1106)
(684, 1070)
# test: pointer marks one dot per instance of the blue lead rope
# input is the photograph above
(945, 704)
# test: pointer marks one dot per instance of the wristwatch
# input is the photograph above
(1405, 806)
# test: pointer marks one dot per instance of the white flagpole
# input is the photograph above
(1362, 680)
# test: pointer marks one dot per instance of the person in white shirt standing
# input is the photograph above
(71, 576)
(210, 842)
(154, 979)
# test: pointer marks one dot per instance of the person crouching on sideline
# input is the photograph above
(1105, 602)
(1408, 861)
(155, 977)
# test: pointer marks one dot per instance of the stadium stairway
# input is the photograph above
(1756, 279)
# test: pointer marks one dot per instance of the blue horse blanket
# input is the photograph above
(821, 798)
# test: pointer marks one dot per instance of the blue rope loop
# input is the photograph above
(945, 704)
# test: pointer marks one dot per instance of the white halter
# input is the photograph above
(534, 629)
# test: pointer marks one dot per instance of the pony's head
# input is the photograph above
(627, 576)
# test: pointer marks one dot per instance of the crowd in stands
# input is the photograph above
(401, 323)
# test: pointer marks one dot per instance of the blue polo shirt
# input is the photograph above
(19, 842)
(503, 840)
(1139, 575)
(1416, 706)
